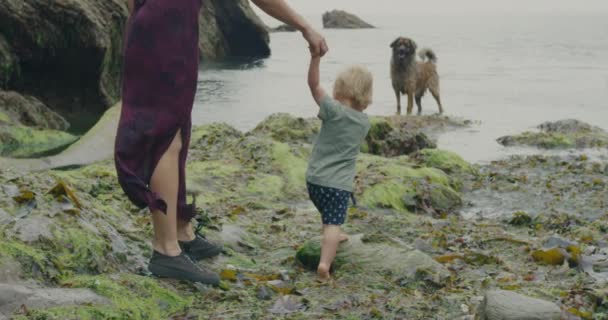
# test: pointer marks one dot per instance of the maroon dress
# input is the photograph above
(159, 83)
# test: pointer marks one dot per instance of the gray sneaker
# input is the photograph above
(200, 248)
(181, 268)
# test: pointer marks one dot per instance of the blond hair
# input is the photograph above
(356, 84)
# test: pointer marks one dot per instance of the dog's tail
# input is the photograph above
(429, 54)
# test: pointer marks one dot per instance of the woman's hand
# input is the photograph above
(279, 9)
(316, 42)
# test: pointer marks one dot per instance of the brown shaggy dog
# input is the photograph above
(413, 77)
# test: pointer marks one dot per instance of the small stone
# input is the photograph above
(508, 305)
(12, 296)
(263, 293)
(284, 275)
(10, 190)
(556, 241)
(33, 229)
(230, 236)
(10, 270)
(4, 217)
(423, 245)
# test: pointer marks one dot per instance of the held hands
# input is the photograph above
(316, 43)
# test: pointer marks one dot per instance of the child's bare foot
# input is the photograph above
(323, 272)
(343, 237)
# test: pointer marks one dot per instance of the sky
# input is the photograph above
(453, 6)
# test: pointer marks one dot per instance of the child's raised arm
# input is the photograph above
(313, 79)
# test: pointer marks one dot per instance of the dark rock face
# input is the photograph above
(65, 53)
(29, 111)
(338, 19)
(231, 29)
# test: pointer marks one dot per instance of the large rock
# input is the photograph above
(231, 29)
(394, 259)
(338, 19)
(13, 296)
(68, 52)
(286, 128)
(449, 162)
(386, 140)
(508, 305)
(8, 67)
(397, 184)
(561, 134)
(29, 111)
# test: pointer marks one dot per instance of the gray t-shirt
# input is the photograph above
(334, 155)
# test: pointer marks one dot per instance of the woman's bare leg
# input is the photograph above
(185, 231)
(165, 182)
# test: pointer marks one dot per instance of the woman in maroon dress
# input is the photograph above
(159, 83)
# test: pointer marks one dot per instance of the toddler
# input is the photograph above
(331, 169)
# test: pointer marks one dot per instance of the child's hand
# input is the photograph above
(314, 54)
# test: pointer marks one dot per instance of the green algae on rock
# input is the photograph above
(385, 139)
(397, 184)
(131, 296)
(563, 134)
(286, 128)
(449, 162)
(23, 142)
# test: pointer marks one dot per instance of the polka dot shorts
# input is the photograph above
(332, 203)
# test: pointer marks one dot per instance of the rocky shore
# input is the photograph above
(63, 60)
(433, 237)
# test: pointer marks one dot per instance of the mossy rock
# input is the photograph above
(383, 257)
(449, 162)
(538, 139)
(563, 134)
(379, 128)
(4, 118)
(398, 185)
(384, 139)
(29, 111)
(250, 170)
(131, 296)
(286, 128)
(23, 142)
(212, 140)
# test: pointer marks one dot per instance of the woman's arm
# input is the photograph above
(280, 10)
(313, 79)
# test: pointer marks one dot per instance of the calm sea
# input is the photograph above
(508, 72)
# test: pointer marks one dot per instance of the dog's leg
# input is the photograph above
(410, 102)
(398, 95)
(419, 104)
(435, 93)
